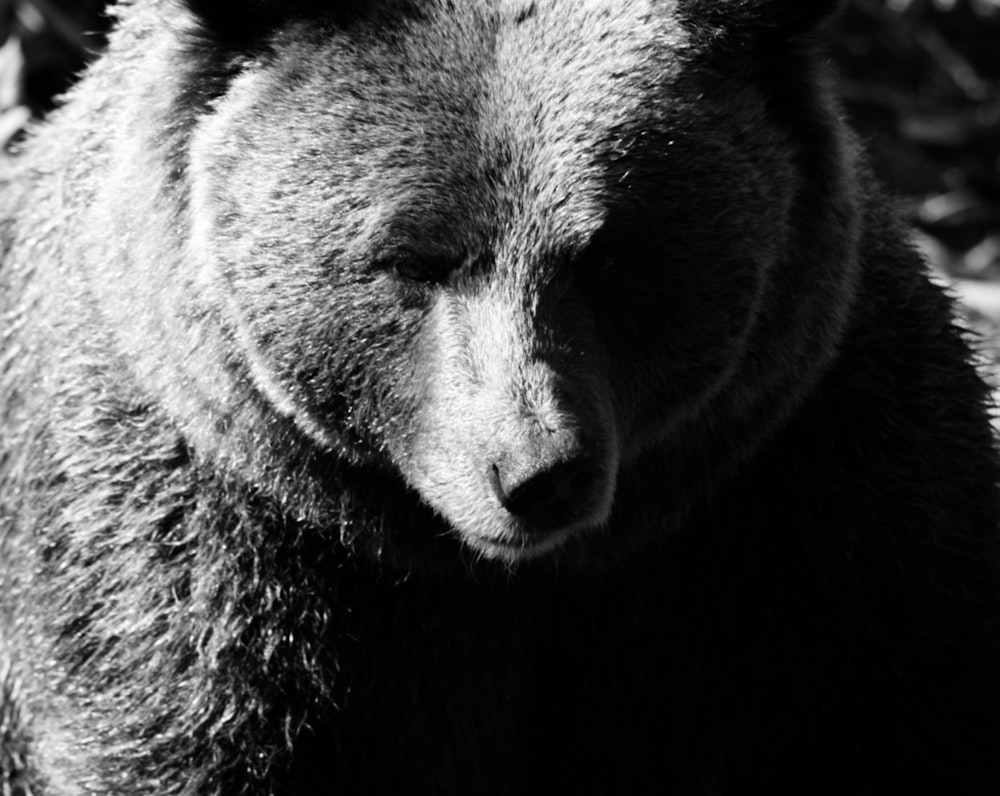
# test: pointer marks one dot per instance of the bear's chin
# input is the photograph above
(515, 549)
(509, 539)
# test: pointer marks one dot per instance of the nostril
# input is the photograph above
(497, 485)
(551, 496)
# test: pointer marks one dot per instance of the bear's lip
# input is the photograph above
(520, 546)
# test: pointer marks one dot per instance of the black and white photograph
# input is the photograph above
(499, 397)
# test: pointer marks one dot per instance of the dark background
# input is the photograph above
(920, 80)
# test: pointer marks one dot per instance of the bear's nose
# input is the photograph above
(546, 496)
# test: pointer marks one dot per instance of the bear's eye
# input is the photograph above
(425, 269)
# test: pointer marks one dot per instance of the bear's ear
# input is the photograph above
(242, 22)
(235, 23)
(742, 24)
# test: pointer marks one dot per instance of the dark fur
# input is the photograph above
(282, 284)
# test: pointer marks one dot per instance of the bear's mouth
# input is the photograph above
(518, 546)
(536, 519)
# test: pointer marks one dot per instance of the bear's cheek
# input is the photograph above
(514, 445)
(326, 344)
(325, 339)
(680, 323)
(339, 361)
(679, 286)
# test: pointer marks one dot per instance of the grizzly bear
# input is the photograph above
(482, 397)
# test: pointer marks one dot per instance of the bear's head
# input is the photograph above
(509, 249)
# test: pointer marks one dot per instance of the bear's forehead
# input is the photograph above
(565, 71)
(570, 87)
(441, 121)
(507, 97)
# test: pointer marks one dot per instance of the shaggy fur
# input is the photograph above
(493, 397)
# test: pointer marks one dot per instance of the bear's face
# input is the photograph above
(502, 252)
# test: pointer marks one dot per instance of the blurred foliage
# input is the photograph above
(53, 39)
(920, 79)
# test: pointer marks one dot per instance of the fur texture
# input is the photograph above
(488, 397)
